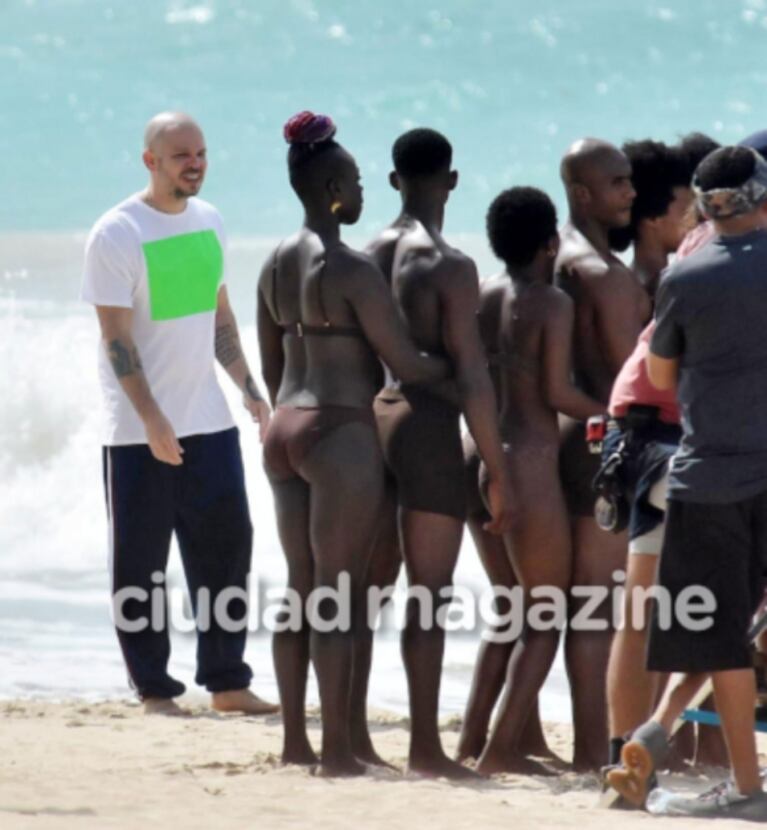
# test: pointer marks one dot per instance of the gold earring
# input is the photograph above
(335, 207)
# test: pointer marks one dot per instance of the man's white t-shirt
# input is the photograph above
(168, 268)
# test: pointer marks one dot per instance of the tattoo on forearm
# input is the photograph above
(251, 389)
(227, 345)
(125, 361)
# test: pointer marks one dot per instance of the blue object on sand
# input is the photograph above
(712, 718)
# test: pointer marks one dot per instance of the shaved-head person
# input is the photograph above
(155, 272)
(611, 307)
(176, 156)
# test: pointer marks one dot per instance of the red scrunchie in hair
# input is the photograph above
(307, 128)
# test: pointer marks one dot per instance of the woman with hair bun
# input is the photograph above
(325, 316)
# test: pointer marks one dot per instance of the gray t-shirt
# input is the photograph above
(711, 313)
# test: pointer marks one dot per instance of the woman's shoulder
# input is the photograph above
(353, 263)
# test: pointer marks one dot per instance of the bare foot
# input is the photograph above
(373, 759)
(164, 706)
(469, 748)
(440, 766)
(550, 759)
(340, 768)
(303, 756)
(516, 764)
(244, 701)
(364, 751)
(534, 748)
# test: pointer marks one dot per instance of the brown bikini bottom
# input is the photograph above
(294, 431)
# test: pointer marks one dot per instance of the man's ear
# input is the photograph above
(581, 194)
(394, 180)
(453, 181)
(150, 162)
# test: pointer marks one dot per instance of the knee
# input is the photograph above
(301, 585)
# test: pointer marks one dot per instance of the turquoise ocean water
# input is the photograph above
(511, 82)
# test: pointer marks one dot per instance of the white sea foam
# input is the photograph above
(57, 636)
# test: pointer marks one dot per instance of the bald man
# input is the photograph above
(611, 307)
(154, 270)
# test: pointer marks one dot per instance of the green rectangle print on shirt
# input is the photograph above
(184, 273)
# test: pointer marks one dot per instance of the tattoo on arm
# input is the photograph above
(124, 361)
(227, 345)
(251, 390)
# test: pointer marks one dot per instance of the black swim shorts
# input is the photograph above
(421, 442)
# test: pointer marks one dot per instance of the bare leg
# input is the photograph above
(383, 569)
(596, 555)
(493, 657)
(680, 690)
(735, 693)
(539, 549)
(711, 749)
(345, 473)
(532, 741)
(631, 689)
(290, 649)
(430, 545)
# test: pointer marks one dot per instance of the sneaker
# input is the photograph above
(722, 801)
(611, 798)
(640, 757)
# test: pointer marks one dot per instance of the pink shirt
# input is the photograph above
(632, 384)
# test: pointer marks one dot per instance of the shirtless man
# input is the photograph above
(437, 290)
(611, 307)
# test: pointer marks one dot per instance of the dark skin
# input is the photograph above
(493, 657)
(659, 237)
(611, 308)
(533, 338)
(436, 289)
(327, 514)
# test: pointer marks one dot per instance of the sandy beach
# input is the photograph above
(106, 765)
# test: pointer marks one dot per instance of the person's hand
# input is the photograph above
(162, 440)
(259, 412)
(500, 503)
